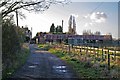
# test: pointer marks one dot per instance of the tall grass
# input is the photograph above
(77, 65)
(17, 62)
(44, 46)
(84, 66)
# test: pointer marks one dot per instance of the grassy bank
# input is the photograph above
(16, 62)
(44, 46)
(84, 69)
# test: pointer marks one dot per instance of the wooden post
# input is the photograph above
(97, 51)
(17, 17)
(80, 50)
(115, 55)
(102, 54)
(108, 61)
(86, 52)
(69, 49)
(62, 47)
(105, 54)
(95, 54)
(74, 49)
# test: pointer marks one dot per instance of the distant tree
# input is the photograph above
(52, 28)
(87, 32)
(97, 33)
(59, 29)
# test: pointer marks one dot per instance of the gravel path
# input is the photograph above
(42, 64)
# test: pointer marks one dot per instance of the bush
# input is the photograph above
(88, 64)
(10, 41)
(73, 59)
(105, 72)
(114, 73)
(103, 64)
(96, 65)
(11, 47)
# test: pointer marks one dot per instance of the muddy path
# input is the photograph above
(42, 64)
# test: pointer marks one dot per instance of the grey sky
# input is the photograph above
(56, 13)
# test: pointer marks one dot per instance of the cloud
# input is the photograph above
(98, 17)
(75, 15)
(86, 16)
(95, 18)
(89, 24)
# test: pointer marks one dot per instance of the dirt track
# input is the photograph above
(42, 64)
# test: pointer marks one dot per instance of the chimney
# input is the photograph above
(62, 24)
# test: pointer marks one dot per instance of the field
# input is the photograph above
(88, 61)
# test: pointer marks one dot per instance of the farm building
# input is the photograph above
(73, 39)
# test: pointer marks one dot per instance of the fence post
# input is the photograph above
(94, 54)
(108, 61)
(105, 54)
(69, 49)
(115, 55)
(63, 48)
(102, 54)
(86, 52)
(97, 51)
(74, 50)
(80, 50)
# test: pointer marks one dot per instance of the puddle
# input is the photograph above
(63, 71)
(9, 73)
(60, 67)
(36, 63)
(53, 58)
(33, 66)
(30, 76)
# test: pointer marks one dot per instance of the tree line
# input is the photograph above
(12, 39)
(56, 30)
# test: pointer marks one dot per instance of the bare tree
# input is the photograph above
(9, 6)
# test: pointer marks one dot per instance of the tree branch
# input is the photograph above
(10, 9)
(30, 6)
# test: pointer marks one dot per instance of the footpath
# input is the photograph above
(44, 65)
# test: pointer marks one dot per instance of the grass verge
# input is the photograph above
(84, 69)
(44, 46)
(16, 62)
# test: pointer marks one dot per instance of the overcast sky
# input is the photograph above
(94, 16)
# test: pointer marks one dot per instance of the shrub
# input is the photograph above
(114, 73)
(105, 72)
(103, 64)
(88, 64)
(73, 59)
(11, 47)
(96, 65)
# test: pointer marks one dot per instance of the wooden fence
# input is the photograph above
(98, 54)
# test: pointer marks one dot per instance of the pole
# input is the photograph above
(102, 54)
(108, 61)
(16, 17)
(69, 49)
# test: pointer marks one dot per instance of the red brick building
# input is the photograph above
(76, 39)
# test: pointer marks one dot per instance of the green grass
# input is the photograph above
(77, 65)
(85, 72)
(44, 46)
(17, 62)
